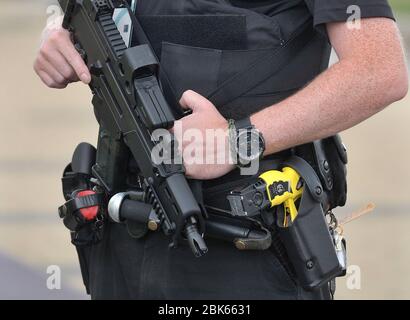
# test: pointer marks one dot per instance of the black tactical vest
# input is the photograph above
(203, 43)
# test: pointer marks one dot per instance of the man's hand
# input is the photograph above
(58, 63)
(203, 139)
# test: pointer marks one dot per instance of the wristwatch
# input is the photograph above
(246, 142)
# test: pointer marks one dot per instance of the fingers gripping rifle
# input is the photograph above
(130, 105)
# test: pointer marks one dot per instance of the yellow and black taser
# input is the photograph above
(272, 189)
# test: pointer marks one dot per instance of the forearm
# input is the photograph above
(349, 92)
(337, 100)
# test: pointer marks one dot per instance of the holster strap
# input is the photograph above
(78, 203)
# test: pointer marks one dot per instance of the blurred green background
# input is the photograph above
(401, 5)
(39, 129)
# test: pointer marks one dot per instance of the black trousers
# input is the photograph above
(121, 267)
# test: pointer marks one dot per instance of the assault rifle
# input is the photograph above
(130, 105)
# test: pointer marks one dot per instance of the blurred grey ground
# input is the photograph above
(39, 129)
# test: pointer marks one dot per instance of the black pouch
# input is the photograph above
(337, 157)
(328, 157)
(84, 234)
(307, 239)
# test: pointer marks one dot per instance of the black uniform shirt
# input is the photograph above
(323, 11)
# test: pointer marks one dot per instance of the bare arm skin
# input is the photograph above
(370, 75)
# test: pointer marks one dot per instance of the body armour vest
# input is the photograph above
(202, 43)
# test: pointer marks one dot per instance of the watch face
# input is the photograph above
(250, 145)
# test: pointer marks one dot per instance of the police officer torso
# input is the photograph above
(201, 45)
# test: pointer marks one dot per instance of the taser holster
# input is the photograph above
(307, 239)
